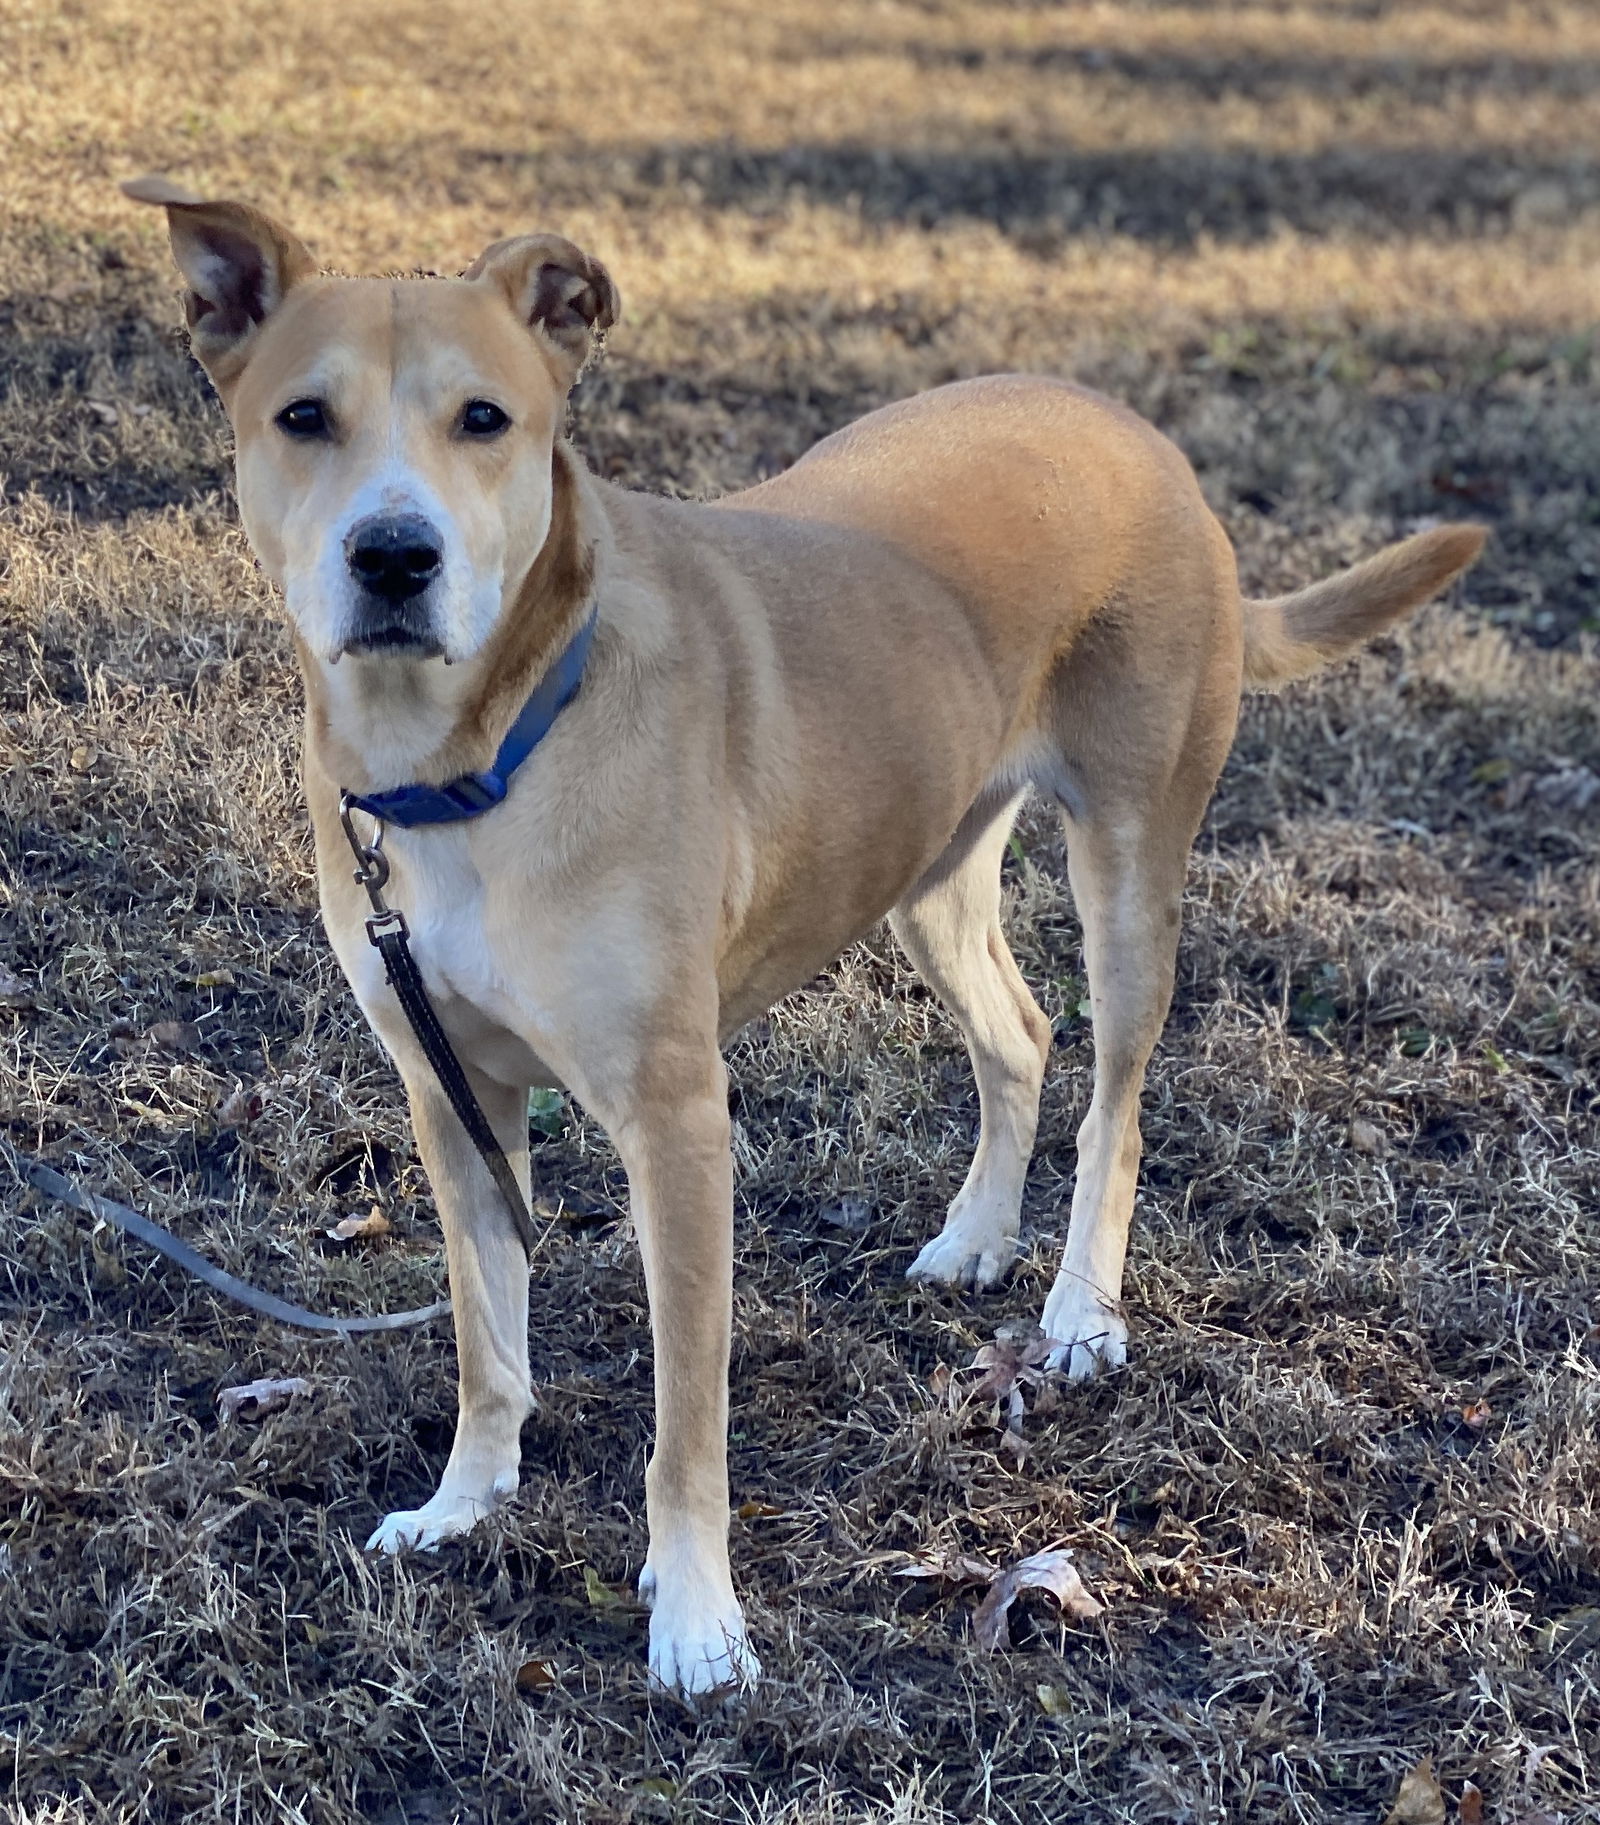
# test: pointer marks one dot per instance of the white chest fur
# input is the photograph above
(487, 1005)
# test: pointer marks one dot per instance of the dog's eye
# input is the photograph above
(483, 418)
(304, 418)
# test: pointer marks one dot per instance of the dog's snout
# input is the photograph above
(394, 556)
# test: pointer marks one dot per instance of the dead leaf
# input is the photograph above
(214, 979)
(601, 1595)
(1476, 1414)
(1047, 1571)
(1054, 1701)
(103, 410)
(256, 1399)
(176, 1035)
(1009, 1360)
(83, 757)
(1569, 789)
(853, 1214)
(364, 1229)
(14, 991)
(757, 1511)
(535, 1676)
(1365, 1136)
(1013, 1443)
(939, 1381)
(953, 1568)
(108, 1264)
(239, 1108)
(656, 1787)
(1419, 1801)
(1469, 1809)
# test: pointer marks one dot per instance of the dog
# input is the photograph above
(806, 706)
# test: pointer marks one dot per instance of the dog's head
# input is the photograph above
(394, 436)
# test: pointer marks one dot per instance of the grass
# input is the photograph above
(1342, 1504)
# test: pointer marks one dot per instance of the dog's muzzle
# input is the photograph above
(393, 559)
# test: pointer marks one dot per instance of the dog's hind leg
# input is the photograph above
(949, 926)
(489, 1293)
(1141, 747)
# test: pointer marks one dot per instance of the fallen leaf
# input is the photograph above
(176, 1035)
(535, 1676)
(1365, 1136)
(214, 979)
(1476, 1414)
(547, 1112)
(757, 1511)
(1419, 1801)
(1046, 1571)
(656, 1787)
(853, 1214)
(1017, 1354)
(1012, 1442)
(13, 990)
(239, 1108)
(601, 1595)
(108, 1265)
(1492, 772)
(939, 1381)
(103, 410)
(953, 1568)
(256, 1399)
(83, 757)
(1569, 789)
(1054, 1701)
(351, 1229)
(1470, 1807)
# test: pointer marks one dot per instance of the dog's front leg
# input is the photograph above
(489, 1293)
(675, 1143)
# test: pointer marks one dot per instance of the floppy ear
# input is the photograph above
(237, 262)
(565, 295)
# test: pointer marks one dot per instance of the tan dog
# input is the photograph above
(806, 706)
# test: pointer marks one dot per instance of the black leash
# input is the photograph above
(391, 938)
(52, 1184)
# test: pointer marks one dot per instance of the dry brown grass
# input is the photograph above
(1345, 253)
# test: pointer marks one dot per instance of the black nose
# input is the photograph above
(394, 556)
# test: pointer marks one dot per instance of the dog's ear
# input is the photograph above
(238, 265)
(563, 294)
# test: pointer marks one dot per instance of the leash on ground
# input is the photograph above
(391, 938)
(54, 1185)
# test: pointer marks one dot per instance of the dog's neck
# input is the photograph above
(378, 723)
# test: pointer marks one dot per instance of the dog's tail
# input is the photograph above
(1293, 635)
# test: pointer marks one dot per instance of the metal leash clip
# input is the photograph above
(372, 873)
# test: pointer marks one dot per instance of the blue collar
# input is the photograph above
(474, 793)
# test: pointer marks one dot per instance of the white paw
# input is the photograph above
(698, 1646)
(1086, 1334)
(963, 1257)
(441, 1518)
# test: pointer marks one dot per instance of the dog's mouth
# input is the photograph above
(393, 639)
